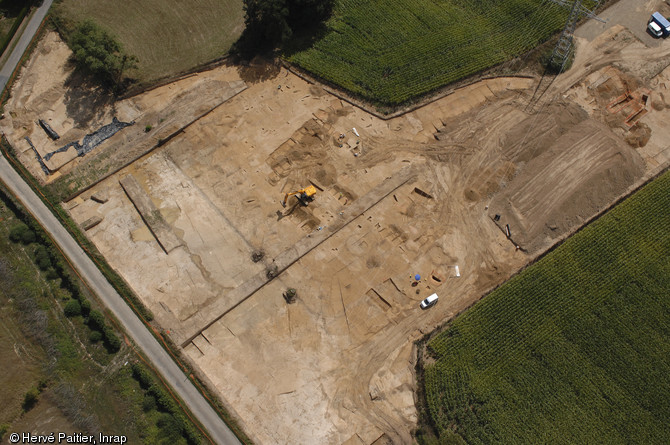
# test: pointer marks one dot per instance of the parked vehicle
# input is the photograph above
(658, 25)
(428, 302)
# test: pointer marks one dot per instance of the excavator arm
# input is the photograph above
(304, 196)
(283, 203)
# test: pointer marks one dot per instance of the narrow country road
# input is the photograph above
(218, 431)
(28, 33)
(160, 359)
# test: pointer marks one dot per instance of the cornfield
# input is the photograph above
(391, 51)
(575, 349)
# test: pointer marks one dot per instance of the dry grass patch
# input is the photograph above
(168, 37)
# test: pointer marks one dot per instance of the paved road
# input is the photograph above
(24, 41)
(160, 359)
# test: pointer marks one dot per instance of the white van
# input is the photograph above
(428, 302)
(658, 25)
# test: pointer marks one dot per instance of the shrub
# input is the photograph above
(22, 233)
(3, 429)
(72, 308)
(96, 320)
(95, 336)
(85, 307)
(52, 274)
(30, 399)
(16, 232)
(164, 402)
(148, 403)
(68, 283)
(170, 427)
(147, 128)
(189, 432)
(112, 341)
(141, 374)
(555, 66)
(42, 258)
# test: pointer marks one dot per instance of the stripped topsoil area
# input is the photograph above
(414, 195)
(565, 182)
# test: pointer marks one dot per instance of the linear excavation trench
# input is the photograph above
(287, 258)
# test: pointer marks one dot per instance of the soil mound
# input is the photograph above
(581, 172)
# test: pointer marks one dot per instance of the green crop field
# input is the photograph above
(575, 349)
(391, 51)
(167, 36)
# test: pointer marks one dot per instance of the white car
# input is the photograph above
(428, 302)
(655, 29)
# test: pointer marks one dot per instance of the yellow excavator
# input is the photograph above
(305, 195)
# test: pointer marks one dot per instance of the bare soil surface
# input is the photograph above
(74, 107)
(336, 366)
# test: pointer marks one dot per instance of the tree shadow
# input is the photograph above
(258, 62)
(85, 97)
(258, 69)
(11, 8)
(305, 39)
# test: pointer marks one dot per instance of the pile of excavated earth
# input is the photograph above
(186, 205)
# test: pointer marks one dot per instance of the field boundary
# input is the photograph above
(421, 403)
(143, 88)
(410, 106)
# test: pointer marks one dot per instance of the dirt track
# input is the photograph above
(336, 366)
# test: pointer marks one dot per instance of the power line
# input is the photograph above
(561, 54)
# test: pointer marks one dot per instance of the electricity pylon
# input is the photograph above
(563, 48)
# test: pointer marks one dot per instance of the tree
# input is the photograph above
(21, 233)
(72, 308)
(272, 23)
(42, 258)
(96, 321)
(100, 53)
(307, 13)
(85, 307)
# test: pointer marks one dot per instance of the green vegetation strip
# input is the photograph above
(392, 51)
(78, 367)
(114, 279)
(575, 349)
(7, 38)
